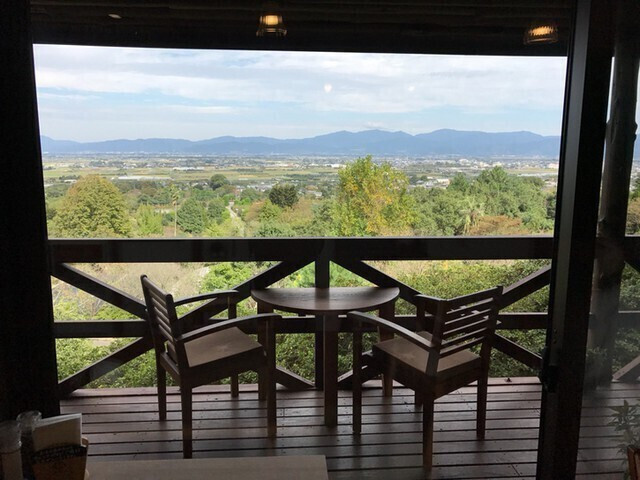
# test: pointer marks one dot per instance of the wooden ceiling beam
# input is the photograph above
(257, 4)
(321, 39)
(410, 26)
(101, 16)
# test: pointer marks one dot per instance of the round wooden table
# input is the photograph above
(329, 303)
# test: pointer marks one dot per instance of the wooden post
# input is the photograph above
(322, 280)
(621, 134)
(581, 151)
(28, 377)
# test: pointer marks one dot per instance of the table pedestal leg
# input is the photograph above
(262, 340)
(319, 353)
(331, 329)
(387, 312)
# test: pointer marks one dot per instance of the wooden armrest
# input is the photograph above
(430, 303)
(395, 328)
(220, 326)
(206, 296)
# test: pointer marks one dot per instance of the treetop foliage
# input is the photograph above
(92, 207)
(284, 195)
(372, 200)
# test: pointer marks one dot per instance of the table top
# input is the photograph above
(332, 300)
(300, 467)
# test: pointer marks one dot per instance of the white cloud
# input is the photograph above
(202, 82)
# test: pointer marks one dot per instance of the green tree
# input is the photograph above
(92, 207)
(269, 211)
(149, 221)
(217, 211)
(372, 199)
(191, 216)
(225, 275)
(218, 180)
(284, 195)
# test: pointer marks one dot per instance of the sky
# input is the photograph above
(102, 93)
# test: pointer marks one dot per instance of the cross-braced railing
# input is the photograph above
(291, 254)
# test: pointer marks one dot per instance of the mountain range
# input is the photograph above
(374, 142)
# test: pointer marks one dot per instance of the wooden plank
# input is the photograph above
(291, 380)
(297, 249)
(517, 352)
(529, 284)
(630, 372)
(103, 366)
(627, 319)
(388, 448)
(101, 329)
(522, 321)
(306, 467)
(98, 288)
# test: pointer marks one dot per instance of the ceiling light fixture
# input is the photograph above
(271, 23)
(115, 16)
(541, 32)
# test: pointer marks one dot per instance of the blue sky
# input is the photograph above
(100, 93)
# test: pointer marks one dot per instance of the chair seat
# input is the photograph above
(218, 346)
(415, 357)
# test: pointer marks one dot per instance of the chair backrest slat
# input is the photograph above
(473, 298)
(462, 339)
(455, 335)
(162, 317)
(460, 347)
(460, 325)
(482, 306)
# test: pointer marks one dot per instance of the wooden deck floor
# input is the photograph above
(123, 424)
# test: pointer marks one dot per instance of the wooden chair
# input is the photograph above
(432, 363)
(204, 355)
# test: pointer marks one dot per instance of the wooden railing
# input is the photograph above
(291, 255)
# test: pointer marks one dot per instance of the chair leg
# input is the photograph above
(235, 387)
(262, 384)
(357, 402)
(481, 407)
(187, 416)
(161, 377)
(387, 382)
(272, 424)
(356, 379)
(417, 399)
(427, 429)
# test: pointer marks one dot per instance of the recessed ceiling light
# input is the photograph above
(271, 23)
(115, 16)
(541, 31)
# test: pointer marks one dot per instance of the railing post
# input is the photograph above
(322, 280)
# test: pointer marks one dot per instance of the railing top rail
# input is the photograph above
(294, 249)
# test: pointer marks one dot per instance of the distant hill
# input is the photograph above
(375, 142)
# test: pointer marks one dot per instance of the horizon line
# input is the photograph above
(300, 138)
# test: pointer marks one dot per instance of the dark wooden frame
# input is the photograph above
(581, 156)
(28, 374)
